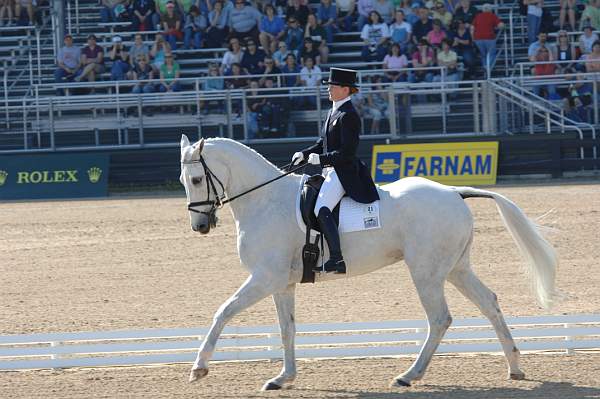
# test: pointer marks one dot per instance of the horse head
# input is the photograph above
(203, 189)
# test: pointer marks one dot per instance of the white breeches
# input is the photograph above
(331, 192)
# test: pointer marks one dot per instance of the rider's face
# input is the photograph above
(337, 93)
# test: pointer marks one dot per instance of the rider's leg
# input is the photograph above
(330, 195)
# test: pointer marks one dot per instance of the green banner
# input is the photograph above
(56, 175)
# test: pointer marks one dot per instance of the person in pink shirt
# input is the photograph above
(422, 58)
(393, 62)
(436, 35)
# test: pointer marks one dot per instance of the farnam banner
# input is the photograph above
(53, 176)
(464, 163)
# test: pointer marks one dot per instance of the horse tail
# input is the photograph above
(541, 257)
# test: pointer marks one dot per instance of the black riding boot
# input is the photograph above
(330, 231)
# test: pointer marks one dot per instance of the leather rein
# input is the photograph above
(221, 200)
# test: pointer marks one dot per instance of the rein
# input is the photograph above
(220, 200)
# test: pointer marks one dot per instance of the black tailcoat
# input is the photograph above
(337, 147)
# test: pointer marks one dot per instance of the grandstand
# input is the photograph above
(500, 104)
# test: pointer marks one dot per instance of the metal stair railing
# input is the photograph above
(536, 106)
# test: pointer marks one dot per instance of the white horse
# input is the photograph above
(426, 224)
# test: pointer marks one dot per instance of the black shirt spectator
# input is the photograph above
(422, 27)
(465, 11)
(142, 14)
(269, 70)
(252, 60)
(309, 51)
(297, 10)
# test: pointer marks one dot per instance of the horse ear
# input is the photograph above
(184, 141)
(198, 147)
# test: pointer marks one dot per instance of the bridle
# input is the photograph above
(221, 200)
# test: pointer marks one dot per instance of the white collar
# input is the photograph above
(338, 104)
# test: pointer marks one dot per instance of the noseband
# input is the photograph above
(215, 204)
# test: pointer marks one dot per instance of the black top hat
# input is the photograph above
(341, 77)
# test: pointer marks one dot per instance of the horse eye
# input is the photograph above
(197, 180)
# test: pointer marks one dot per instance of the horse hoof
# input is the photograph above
(197, 374)
(517, 376)
(400, 383)
(269, 386)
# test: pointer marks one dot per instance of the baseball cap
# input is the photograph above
(117, 39)
(415, 4)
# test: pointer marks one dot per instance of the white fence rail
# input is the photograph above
(364, 339)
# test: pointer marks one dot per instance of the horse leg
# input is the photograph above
(431, 293)
(463, 278)
(253, 290)
(284, 302)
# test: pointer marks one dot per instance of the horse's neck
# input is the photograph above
(246, 170)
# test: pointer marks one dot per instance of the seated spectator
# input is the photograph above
(237, 79)
(272, 29)
(143, 17)
(169, 75)
(68, 61)
(294, 36)
(213, 82)
(422, 27)
(195, 28)
(592, 61)
(423, 57)
(317, 33)
(171, 25)
(275, 114)
(541, 42)
(393, 63)
(142, 71)
(111, 10)
(412, 13)
(326, 17)
(30, 7)
(310, 76)
(436, 35)
(534, 18)
(218, 26)
(567, 7)
(483, 31)
(92, 61)
(298, 10)
(252, 60)
(372, 104)
(309, 51)
(463, 45)
(6, 9)
(591, 15)
(587, 39)
(346, 10)
(158, 51)
(385, 8)
(120, 60)
(290, 67)
(139, 49)
(244, 20)
(365, 7)
(233, 55)
(270, 70)
(401, 31)
(442, 15)
(375, 36)
(543, 56)
(465, 11)
(565, 52)
(254, 105)
(281, 54)
(448, 58)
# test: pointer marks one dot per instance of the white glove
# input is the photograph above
(314, 159)
(297, 158)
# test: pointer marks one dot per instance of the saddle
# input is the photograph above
(311, 251)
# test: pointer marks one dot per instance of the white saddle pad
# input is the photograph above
(354, 216)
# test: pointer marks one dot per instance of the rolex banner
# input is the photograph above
(58, 175)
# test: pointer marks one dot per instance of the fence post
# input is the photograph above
(39, 55)
(595, 96)
(51, 115)
(141, 118)
(229, 109)
(392, 113)
(6, 95)
(476, 115)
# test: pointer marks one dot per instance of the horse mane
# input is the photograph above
(242, 149)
